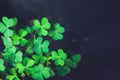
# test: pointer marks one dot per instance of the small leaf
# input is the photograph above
(2, 27)
(2, 67)
(76, 58)
(7, 41)
(8, 22)
(18, 57)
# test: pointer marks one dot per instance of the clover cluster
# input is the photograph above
(27, 51)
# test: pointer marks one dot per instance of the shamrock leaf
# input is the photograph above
(12, 75)
(56, 33)
(59, 57)
(19, 39)
(41, 27)
(7, 41)
(63, 70)
(40, 47)
(41, 72)
(26, 66)
(2, 67)
(7, 23)
(73, 62)
(12, 55)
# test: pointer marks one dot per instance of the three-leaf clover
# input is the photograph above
(63, 70)
(7, 41)
(12, 55)
(56, 33)
(41, 72)
(26, 66)
(7, 23)
(41, 27)
(2, 67)
(73, 62)
(59, 57)
(40, 47)
(13, 75)
(19, 39)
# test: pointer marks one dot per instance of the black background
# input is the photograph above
(92, 29)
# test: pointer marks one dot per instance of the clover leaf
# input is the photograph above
(13, 75)
(59, 57)
(41, 27)
(73, 62)
(76, 57)
(41, 72)
(40, 47)
(7, 23)
(12, 55)
(63, 70)
(7, 41)
(56, 33)
(19, 39)
(26, 66)
(2, 67)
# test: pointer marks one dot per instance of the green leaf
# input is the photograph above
(54, 55)
(2, 27)
(63, 70)
(22, 32)
(40, 72)
(8, 22)
(71, 63)
(46, 72)
(18, 57)
(57, 32)
(41, 27)
(59, 57)
(29, 29)
(40, 47)
(36, 58)
(76, 58)
(20, 67)
(2, 67)
(8, 33)
(7, 41)
(12, 75)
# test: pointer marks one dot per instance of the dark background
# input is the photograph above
(92, 29)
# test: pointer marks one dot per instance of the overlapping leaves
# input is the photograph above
(41, 46)
(26, 66)
(19, 39)
(41, 72)
(13, 75)
(12, 55)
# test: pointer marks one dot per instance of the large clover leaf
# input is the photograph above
(56, 33)
(41, 72)
(26, 66)
(41, 27)
(19, 39)
(7, 41)
(12, 55)
(13, 75)
(40, 47)
(59, 57)
(7, 23)
(2, 67)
